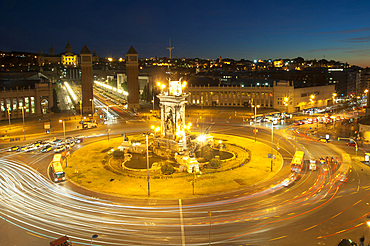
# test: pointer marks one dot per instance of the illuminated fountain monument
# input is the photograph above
(174, 140)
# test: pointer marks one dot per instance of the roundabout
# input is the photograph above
(94, 167)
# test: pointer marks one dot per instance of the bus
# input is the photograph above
(56, 170)
(297, 162)
(63, 241)
(343, 172)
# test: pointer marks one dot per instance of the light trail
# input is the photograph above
(48, 210)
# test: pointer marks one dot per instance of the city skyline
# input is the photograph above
(236, 30)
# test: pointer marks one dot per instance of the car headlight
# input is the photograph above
(55, 180)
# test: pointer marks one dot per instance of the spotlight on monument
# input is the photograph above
(183, 85)
(202, 138)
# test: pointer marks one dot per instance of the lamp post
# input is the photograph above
(24, 129)
(286, 100)
(147, 161)
(312, 100)
(367, 102)
(92, 104)
(255, 121)
(81, 109)
(193, 170)
(8, 116)
(64, 133)
(272, 142)
(108, 121)
(93, 237)
(210, 227)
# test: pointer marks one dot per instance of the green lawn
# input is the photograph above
(85, 168)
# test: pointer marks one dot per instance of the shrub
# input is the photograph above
(167, 169)
(215, 163)
(118, 154)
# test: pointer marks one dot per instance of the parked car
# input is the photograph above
(57, 142)
(23, 148)
(38, 143)
(30, 147)
(60, 148)
(13, 148)
(46, 148)
(70, 144)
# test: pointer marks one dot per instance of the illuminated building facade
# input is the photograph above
(32, 91)
(281, 96)
(68, 57)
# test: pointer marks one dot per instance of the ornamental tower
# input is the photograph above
(172, 104)
(87, 81)
(132, 70)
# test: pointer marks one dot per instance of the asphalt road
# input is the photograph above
(317, 209)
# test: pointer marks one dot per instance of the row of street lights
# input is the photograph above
(24, 129)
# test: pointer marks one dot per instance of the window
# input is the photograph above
(8, 104)
(15, 104)
(27, 104)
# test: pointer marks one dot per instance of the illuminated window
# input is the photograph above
(15, 104)
(32, 105)
(27, 104)
(8, 104)
(2, 105)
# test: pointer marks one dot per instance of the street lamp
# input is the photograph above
(65, 146)
(81, 109)
(93, 237)
(92, 104)
(147, 160)
(107, 121)
(24, 129)
(272, 142)
(286, 100)
(8, 116)
(255, 121)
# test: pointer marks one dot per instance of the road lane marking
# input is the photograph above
(277, 238)
(309, 228)
(182, 224)
(36, 235)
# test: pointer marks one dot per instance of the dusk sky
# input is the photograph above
(334, 30)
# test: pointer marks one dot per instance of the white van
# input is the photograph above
(312, 165)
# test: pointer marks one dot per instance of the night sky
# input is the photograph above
(334, 30)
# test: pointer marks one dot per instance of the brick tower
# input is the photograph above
(87, 81)
(132, 70)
